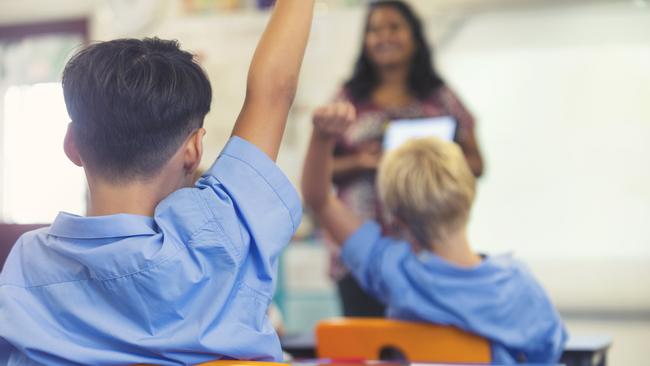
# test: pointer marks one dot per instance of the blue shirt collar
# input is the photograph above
(488, 265)
(96, 227)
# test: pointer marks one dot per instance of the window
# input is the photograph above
(36, 178)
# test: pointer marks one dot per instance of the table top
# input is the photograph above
(327, 362)
(588, 342)
(576, 343)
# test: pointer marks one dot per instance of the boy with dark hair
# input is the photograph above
(161, 271)
(132, 104)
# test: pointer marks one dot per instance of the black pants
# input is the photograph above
(355, 301)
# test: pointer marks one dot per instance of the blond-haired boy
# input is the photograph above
(431, 273)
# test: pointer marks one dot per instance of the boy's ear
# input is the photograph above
(70, 147)
(193, 151)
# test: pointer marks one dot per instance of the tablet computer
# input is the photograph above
(401, 130)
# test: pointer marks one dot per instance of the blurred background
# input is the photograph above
(560, 90)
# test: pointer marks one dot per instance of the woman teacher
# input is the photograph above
(393, 78)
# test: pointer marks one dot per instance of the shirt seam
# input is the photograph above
(293, 224)
(216, 221)
(256, 292)
(151, 266)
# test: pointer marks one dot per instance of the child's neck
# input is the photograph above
(456, 250)
(137, 198)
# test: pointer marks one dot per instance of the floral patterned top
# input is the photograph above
(358, 190)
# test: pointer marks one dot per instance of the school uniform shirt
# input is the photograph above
(191, 284)
(498, 299)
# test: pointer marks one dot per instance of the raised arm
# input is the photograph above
(337, 219)
(273, 75)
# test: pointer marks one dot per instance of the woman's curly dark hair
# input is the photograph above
(423, 79)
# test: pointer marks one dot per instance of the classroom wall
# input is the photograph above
(560, 95)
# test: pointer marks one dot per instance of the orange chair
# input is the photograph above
(241, 363)
(383, 339)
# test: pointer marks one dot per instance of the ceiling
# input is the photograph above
(21, 11)
(435, 6)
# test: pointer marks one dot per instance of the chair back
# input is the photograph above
(241, 363)
(9, 233)
(384, 339)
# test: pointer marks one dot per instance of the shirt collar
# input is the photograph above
(434, 261)
(95, 227)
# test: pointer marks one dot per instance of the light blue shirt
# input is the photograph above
(499, 299)
(189, 285)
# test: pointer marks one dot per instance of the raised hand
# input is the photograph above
(333, 119)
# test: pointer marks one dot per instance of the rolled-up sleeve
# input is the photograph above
(267, 207)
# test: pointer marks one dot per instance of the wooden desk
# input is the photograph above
(581, 350)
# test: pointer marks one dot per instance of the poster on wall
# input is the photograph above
(211, 6)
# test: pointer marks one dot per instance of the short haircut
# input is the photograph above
(132, 103)
(427, 185)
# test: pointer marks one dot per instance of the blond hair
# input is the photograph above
(428, 185)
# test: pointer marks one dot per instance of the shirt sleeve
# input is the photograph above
(365, 253)
(266, 206)
(5, 351)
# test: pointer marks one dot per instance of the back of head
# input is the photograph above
(428, 186)
(132, 104)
